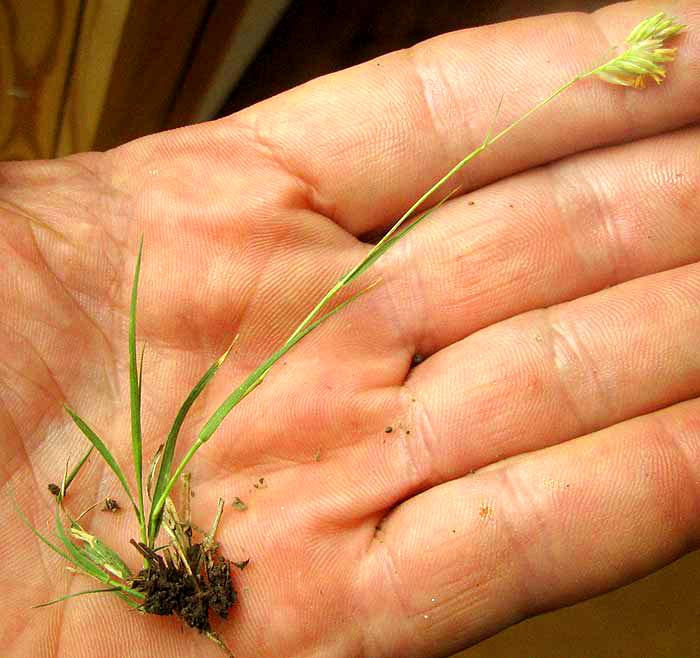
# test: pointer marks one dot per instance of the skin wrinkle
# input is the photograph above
(685, 462)
(421, 440)
(82, 312)
(23, 375)
(14, 210)
(614, 241)
(555, 330)
(561, 188)
(273, 153)
(390, 575)
(524, 605)
(437, 128)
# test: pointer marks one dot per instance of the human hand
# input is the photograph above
(545, 450)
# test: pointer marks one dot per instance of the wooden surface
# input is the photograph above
(316, 37)
(232, 37)
(656, 617)
(131, 59)
(37, 42)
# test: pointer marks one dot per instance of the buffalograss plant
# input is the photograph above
(189, 578)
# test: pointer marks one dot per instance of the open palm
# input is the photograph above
(505, 425)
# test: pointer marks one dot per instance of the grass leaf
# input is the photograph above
(72, 596)
(75, 471)
(35, 532)
(102, 449)
(99, 553)
(135, 396)
(78, 558)
(169, 449)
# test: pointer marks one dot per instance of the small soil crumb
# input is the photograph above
(54, 489)
(551, 483)
(111, 505)
(260, 484)
(388, 429)
(239, 504)
(317, 455)
(416, 360)
(241, 565)
(470, 202)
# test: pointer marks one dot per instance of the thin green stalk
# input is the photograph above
(135, 394)
(154, 519)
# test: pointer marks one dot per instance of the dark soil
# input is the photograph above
(170, 589)
(111, 505)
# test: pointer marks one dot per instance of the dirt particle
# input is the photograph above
(388, 429)
(317, 455)
(54, 489)
(239, 504)
(111, 505)
(260, 484)
(241, 565)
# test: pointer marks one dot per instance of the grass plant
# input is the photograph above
(190, 579)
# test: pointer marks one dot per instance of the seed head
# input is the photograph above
(645, 55)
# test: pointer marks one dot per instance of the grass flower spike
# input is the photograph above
(188, 579)
(645, 55)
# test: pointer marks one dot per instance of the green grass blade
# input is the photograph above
(95, 550)
(171, 442)
(85, 564)
(34, 531)
(77, 557)
(135, 395)
(103, 450)
(74, 557)
(385, 245)
(75, 471)
(72, 596)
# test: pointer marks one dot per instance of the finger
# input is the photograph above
(535, 380)
(547, 529)
(368, 141)
(548, 376)
(546, 236)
